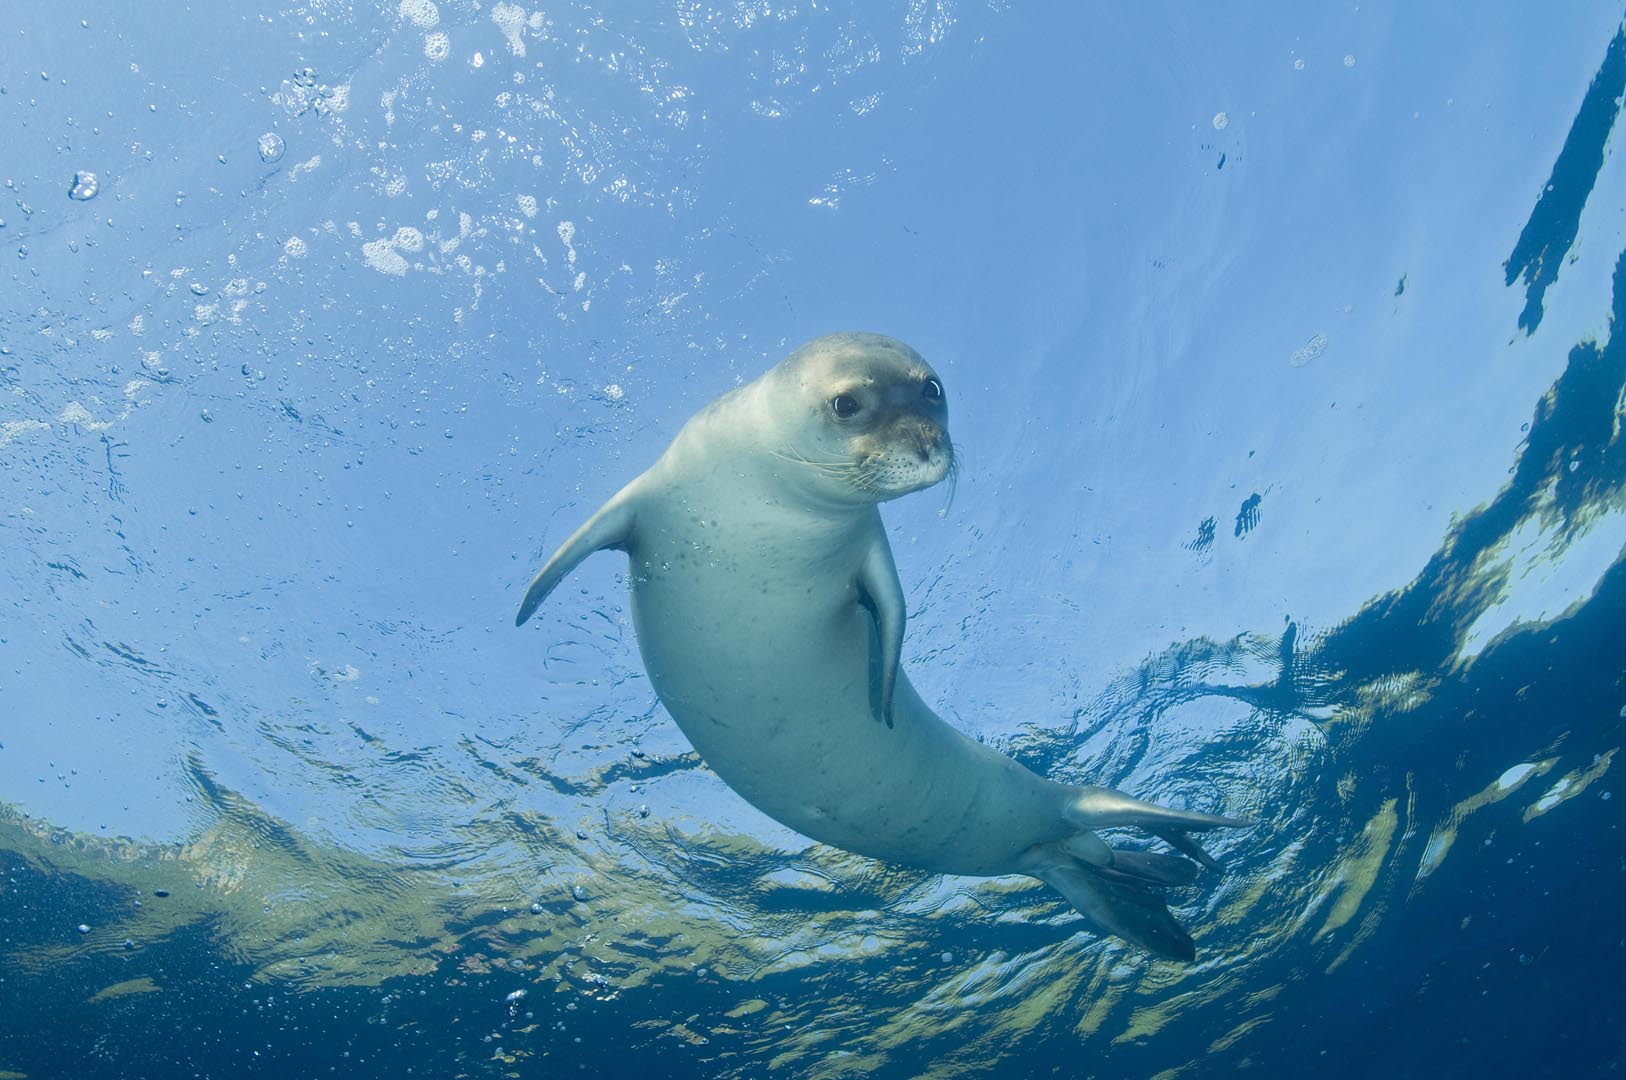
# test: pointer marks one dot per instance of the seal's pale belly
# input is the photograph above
(773, 685)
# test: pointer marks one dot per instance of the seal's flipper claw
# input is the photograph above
(610, 527)
(1119, 905)
(880, 591)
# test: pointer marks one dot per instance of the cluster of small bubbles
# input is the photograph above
(84, 186)
(437, 46)
(420, 13)
(271, 147)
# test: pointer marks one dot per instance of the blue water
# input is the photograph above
(1284, 357)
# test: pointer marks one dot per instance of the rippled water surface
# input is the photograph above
(1286, 360)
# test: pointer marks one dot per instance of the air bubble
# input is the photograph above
(271, 147)
(1221, 121)
(578, 892)
(84, 186)
(420, 13)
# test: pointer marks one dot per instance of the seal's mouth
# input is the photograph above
(905, 459)
(913, 466)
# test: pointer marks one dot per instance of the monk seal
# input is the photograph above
(771, 621)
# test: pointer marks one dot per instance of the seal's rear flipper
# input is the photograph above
(1119, 905)
(611, 527)
(1103, 808)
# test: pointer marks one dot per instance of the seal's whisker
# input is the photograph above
(801, 460)
(857, 474)
(953, 480)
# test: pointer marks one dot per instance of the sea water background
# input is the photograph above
(1279, 350)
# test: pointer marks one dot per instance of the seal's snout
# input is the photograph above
(925, 437)
(925, 440)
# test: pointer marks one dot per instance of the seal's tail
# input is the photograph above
(1121, 891)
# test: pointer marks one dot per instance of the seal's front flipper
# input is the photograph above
(880, 591)
(1118, 904)
(611, 527)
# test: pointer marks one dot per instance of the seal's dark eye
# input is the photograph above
(845, 406)
(932, 391)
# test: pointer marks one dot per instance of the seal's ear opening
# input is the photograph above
(610, 527)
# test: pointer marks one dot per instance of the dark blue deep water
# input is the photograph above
(1286, 349)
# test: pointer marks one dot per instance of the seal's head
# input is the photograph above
(871, 417)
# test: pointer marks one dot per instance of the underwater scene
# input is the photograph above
(1247, 438)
